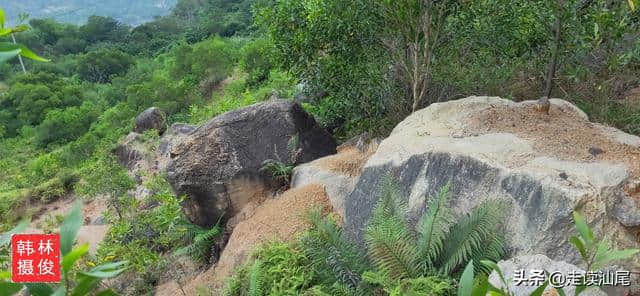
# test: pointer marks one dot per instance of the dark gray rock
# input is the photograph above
(234, 145)
(595, 151)
(627, 212)
(152, 118)
(173, 135)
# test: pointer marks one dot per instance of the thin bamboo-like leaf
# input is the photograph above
(583, 228)
(465, 287)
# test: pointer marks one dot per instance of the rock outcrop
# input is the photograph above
(490, 148)
(338, 173)
(234, 145)
(152, 118)
(129, 151)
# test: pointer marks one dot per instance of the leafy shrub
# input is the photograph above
(50, 190)
(101, 65)
(277, 269)
(62, 126)
(237, 95)
(256, 60)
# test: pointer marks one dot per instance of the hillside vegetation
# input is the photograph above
(357, 66)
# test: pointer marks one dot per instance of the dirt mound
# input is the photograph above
(281, 218)
(349, 160)
(563, 134)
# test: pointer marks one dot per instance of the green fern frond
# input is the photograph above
(433, 228)
(335, 258)
(493, 250)
(390, 243)
(256, 279)
(200, 240)
(391, 200)
(469, 234)
(392, 249)
(277, 169)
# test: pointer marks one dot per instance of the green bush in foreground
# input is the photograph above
(73, 282)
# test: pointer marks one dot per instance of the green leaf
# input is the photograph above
(8, 288)
(24, 51)
(562, 293)
(69, 228)
(466, 281)
(85, 285)
(5, 275)
(580, 246)
(584, 230)
(6, 237)
(73, 256)
(39, 289)
(106, 270)
(61, 291)
(540, 290)
(2, 18)
(492, 265)
(580, 289)
(481, 286)
(608, 256)
(7, 55)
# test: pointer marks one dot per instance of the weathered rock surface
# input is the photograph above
(176, 133)
(528, 264)
(441, 144)
(234, 145)
(128, 152)
(152, 118)
(338, 173)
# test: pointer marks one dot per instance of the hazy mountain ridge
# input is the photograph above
(77, 11)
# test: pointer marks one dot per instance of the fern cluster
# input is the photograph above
(277, 269)
(338, 262)
(283, 170)
(440, 246)
(201, 239)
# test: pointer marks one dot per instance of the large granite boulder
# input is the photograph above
(152, 118)
(545, 166)
(233, 146)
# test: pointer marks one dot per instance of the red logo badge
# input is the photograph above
(35, 258)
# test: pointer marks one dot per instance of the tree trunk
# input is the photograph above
(556, 51)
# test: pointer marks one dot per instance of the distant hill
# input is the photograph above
(132, 12)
